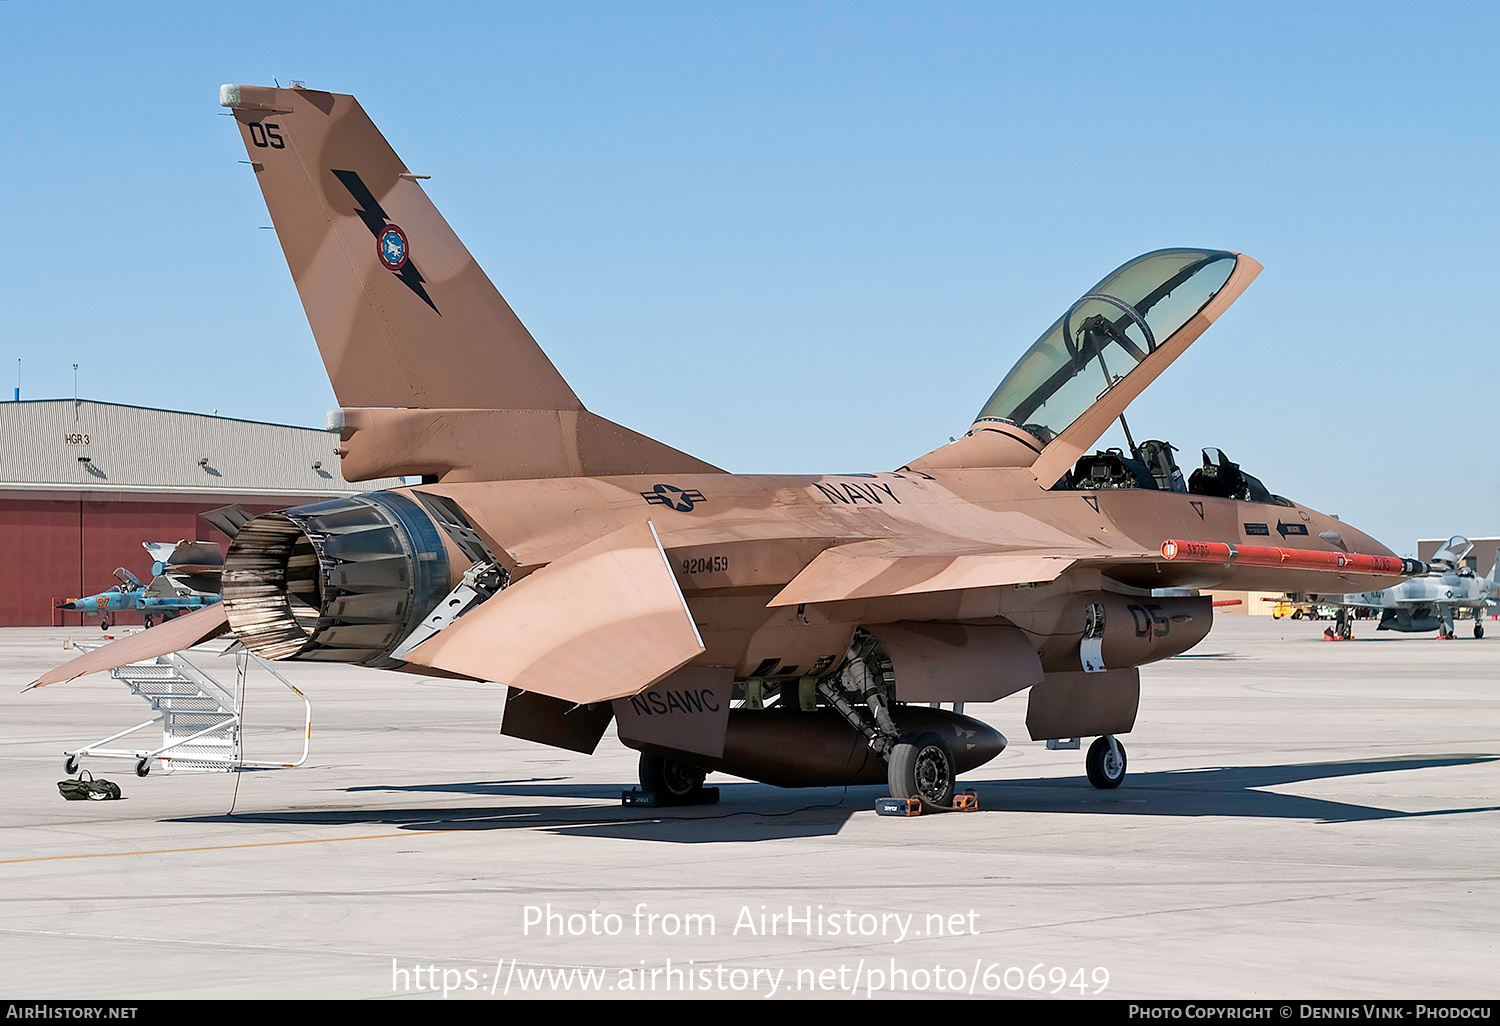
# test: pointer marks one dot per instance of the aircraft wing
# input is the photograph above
(603, 622)
(880, 568)
(172, 636)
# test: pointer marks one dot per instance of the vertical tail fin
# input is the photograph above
(402, 313)
(405, 318)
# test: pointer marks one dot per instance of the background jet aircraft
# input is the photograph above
(795, 630)
(185, 577)
(1424, 603)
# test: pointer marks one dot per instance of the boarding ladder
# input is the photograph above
(200, 717)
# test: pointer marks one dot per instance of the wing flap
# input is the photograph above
(603, 622)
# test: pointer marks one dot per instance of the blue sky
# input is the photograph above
(811, 237)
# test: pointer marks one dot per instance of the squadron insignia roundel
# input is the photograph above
(392, 247)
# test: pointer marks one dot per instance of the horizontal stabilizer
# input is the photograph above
(186, 557)
(173, 636)
(602, 622)
(228, 519)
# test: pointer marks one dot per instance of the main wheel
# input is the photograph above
(103, 624)
(1105, 769)
(679, 781)
(1479, 630)
(921, 766)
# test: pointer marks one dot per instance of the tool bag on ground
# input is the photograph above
(88, 790)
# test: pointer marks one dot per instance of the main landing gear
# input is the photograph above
(920, 768)
(670, 782)
(1343, 627)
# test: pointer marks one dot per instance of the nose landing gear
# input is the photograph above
(1105, 763)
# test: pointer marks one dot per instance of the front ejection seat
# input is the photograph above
(1221, 477)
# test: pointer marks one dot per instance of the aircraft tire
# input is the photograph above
(1104, 771)
(1479, 630)
(921, 766)
(149, 623)
(103, 624)
(679, 782)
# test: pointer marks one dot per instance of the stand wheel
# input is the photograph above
(70, 765)
(1105, 769)
(921, 766)
(681, 782)
(143, 767)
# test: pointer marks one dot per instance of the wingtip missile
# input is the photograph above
(1184, 551)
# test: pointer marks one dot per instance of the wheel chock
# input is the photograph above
(966, 802)
(657, 800)
(898, 806)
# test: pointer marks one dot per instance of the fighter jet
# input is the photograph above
(1425, 603)
(799, 630)
(185, 577)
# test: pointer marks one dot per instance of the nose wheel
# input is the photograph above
(1105, 764)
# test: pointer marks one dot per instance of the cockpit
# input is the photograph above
(1152, 465)
(1101, 353)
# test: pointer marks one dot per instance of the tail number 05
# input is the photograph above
(265, 135)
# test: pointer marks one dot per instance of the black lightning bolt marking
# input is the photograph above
(370, 212)
(1092, 501)
(1197, 507)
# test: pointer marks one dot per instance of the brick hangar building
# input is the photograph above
(83, 484)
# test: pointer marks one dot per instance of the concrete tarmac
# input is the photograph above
(1301, 819)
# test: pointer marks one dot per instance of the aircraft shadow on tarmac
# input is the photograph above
(757, 812)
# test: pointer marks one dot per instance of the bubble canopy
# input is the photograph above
(1105, 335)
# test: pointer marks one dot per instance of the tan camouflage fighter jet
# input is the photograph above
(796, 630)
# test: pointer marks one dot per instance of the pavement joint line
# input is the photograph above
(220, 847)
